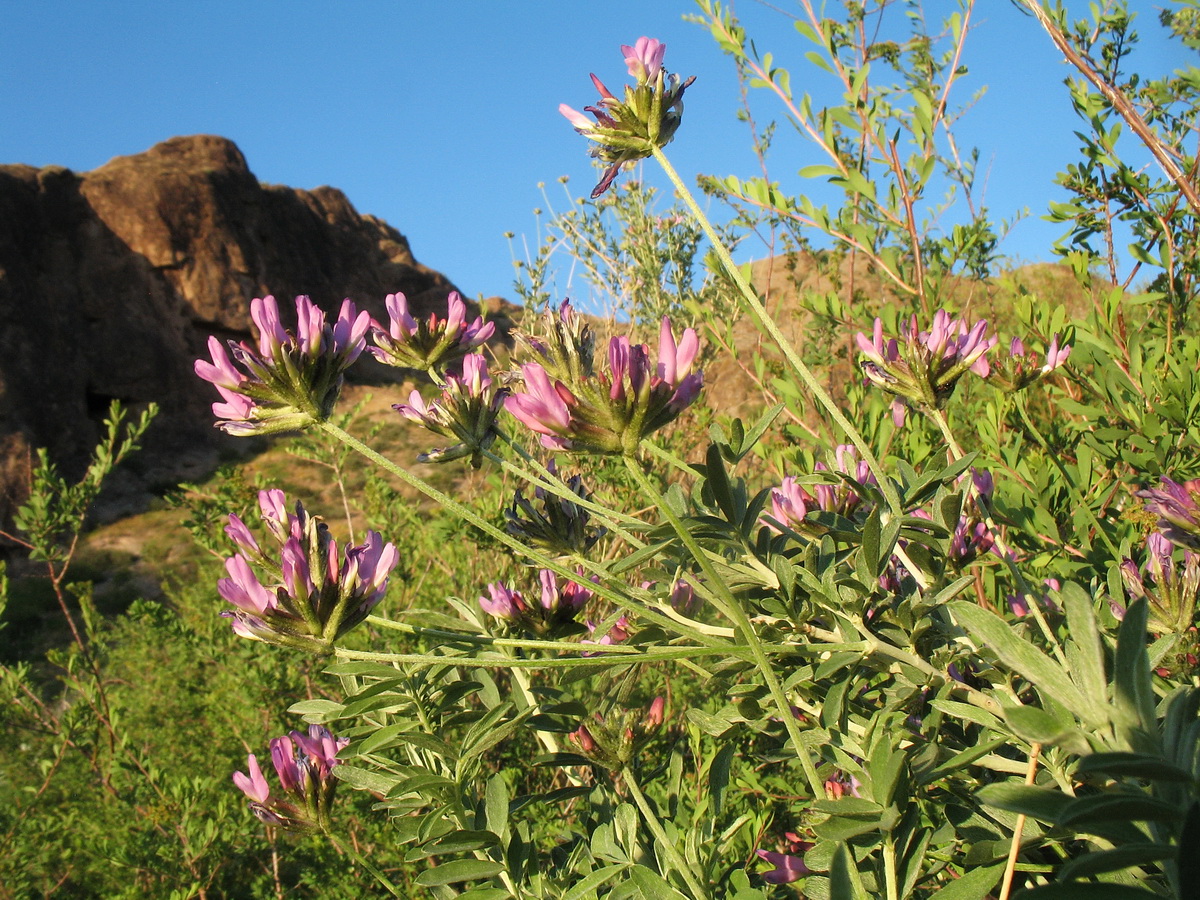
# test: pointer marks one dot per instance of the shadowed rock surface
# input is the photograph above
(112, 280)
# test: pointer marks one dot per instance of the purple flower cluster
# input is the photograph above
(1177, 506)
(428, 345)
(612, 410)
(304, 765)
(308, 595)
(288, 380)
(791, 502)
(922, 368)
(613, 740)
(648, 116)
(1170, 588)
(466, 411)
(554, 614)
(1022, 367)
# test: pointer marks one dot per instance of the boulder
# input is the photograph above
(112, 280)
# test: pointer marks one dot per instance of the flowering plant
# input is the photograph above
(932, 655)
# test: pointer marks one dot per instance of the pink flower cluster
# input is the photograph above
(791, 502)
(627, 129)
(611, 411)
(556, 611)
(466, 411)
(304, 765)
(428, 345)
(312, 594)
(288, 380)
(922, 368)
(1022, 367)
(1177, 506)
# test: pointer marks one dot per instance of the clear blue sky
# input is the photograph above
(441, 117)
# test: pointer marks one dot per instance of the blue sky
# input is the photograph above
(441, 117)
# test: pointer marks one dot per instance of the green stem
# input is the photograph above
(889, 868)
(1006, 553)
(768, 324)
(732, 610)
(464, 637)
(561, 662)
(651, 820)
(601, 589)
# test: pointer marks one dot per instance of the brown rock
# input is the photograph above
(112, 280)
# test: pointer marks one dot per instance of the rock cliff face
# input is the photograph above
(112, 280)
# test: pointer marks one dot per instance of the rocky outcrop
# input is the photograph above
(112, 280)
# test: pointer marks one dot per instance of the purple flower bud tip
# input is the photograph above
(656, 713)
(583, 739)
(786, 868)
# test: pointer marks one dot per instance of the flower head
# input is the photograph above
(1177, 505)
(922, 368)
(304, 764)
(612, 739)
(609, 411)
(1022, 368)
(1170, 588)
(555, 612)
(428, 345)
(551, 522)
(564, 345)
(308, 595)
(466, 412)
(287, 381)
(628, 129)
(791, 502)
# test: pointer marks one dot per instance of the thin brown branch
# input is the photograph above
(1120, 103)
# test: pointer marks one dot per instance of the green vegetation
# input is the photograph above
(885, 622)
